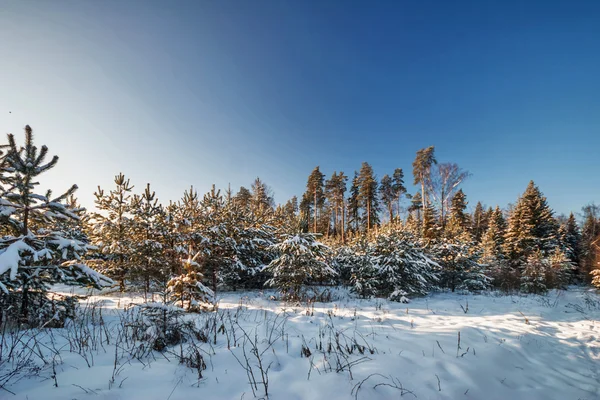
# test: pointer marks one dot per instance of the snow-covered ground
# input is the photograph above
(511, 347)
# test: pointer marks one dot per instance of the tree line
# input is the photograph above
(369, 234)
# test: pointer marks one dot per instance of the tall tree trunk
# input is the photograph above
(343, 222)
(315, 220)
(368, 215)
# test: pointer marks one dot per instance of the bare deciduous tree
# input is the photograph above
(442, 183)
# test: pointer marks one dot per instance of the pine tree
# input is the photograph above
(33, 254)
(188, 287)
(112, 230)
(422, 170)
(315, 190)
(219, 234)
(148, 254)
(300, 260)
(262, 202)
(335, 189)
(367, 196)
(399, 188)
(354, 204)
(388, 195)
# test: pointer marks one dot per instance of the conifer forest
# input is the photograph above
(228, 278)
(299, 200)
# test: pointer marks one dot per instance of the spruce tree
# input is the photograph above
(360, 268)
(493, 239)
(531, 226)
(429, 228)
(479, 222)
(405, 269)
(590, 232)
(460, 267)
(34, 254)
(570, 238)
(459, 223)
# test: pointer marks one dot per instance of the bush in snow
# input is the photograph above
(33, 254)
(300, 260)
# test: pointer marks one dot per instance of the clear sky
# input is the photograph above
(199, 92)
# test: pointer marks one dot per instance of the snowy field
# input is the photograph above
(511, 347)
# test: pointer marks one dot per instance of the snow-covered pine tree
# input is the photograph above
(188, 287)
(112, 230)
(300, 260)
(149, 265)
(220, 234)
(34, 254)
(251, 239)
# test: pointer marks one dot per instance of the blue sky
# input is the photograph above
(201, 92)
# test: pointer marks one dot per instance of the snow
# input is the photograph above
(11, 255)
(511, 347)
